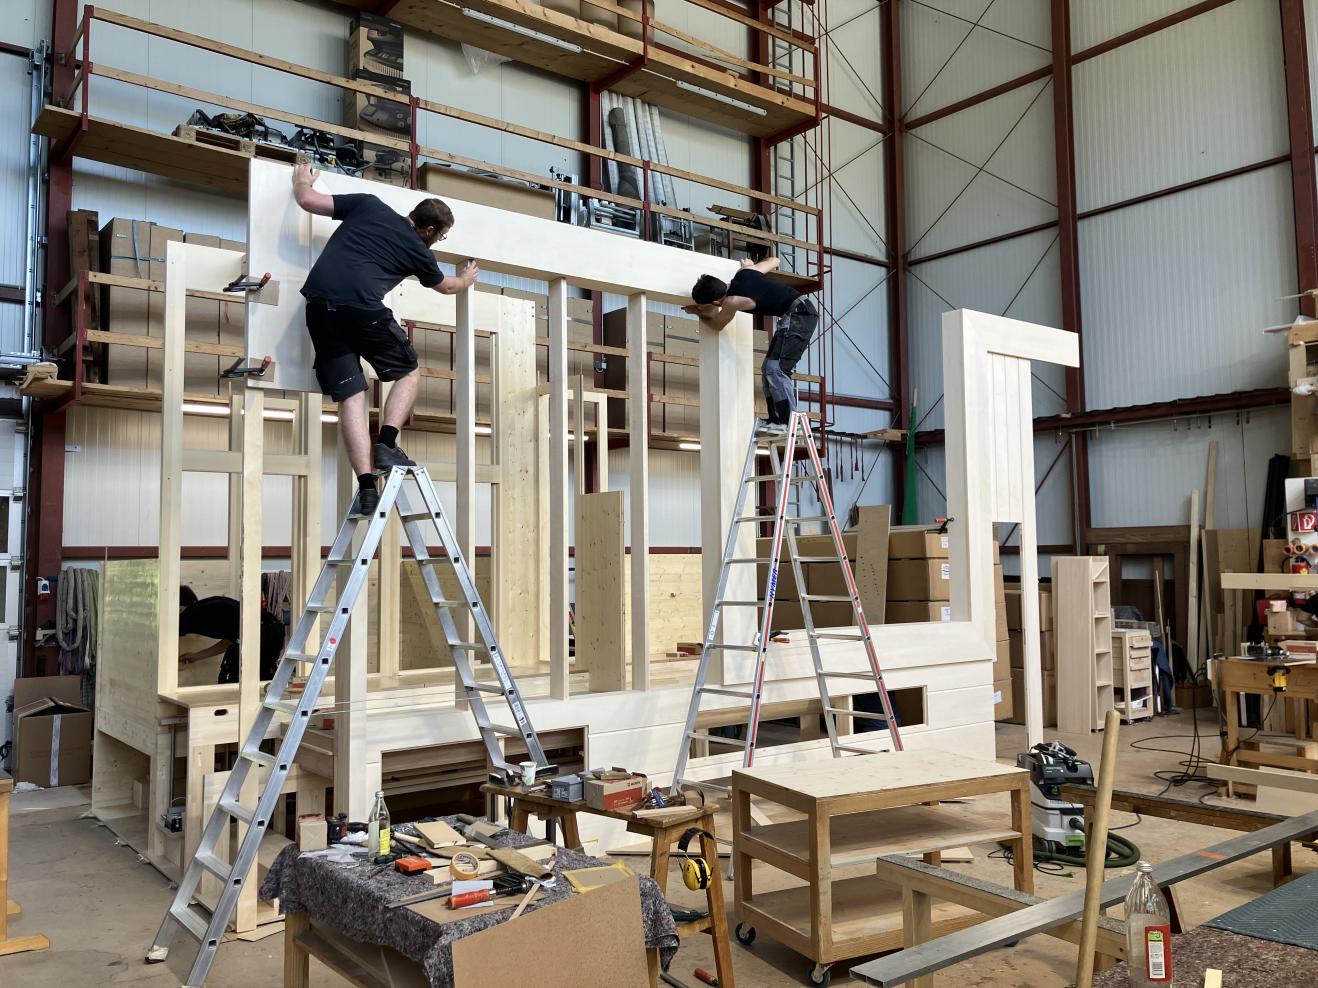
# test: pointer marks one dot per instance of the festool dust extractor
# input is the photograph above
(1059, 824)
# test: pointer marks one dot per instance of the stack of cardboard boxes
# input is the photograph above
(375, 54)
(820, 578)
(1047, 655)
(138, 249)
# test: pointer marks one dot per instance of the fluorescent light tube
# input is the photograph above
(499, 22)
(710, 94)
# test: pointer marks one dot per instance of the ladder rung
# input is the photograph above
(733, 648)
(740, 603)
(415, 515)
(712, 786)
(868, 676)
(298, 657)
(715, 739)
(859, 751)
(819, 559)
(745, 518)
(797, 478)
(748, 559)
(322, 608)
(468, 646)
(237, 810)
(719, 691)
(280, 706)
(838, 636)
(443, 602)
(485, 688)
(259, 758)
(845, 712)
(505, 730)
(833, 598)
(190, 921)
(216, 866)
(805, 519)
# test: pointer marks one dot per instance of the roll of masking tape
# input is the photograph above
(464, 866)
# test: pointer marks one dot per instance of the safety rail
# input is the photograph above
(77, 98)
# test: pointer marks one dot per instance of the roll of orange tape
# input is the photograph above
(464, 866)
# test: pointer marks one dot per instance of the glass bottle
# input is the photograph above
(1148, 932)
(377, 825)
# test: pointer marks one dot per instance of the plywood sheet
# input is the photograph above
(871, 562)
(601, 632)
(551, 940)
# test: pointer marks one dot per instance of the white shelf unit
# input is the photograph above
(1086, 681)
(1132, 666)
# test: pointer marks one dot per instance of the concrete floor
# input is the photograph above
(100, 906)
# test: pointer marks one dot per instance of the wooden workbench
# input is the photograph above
(1236, 676)
(856, 811)
(8, 945)
(663, 834)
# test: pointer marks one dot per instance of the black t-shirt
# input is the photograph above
(372, 250)
(212, 617)
(771, 296)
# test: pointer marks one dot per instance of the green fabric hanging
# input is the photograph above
(910, 515)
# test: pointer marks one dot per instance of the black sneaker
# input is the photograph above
(368, 499)
(387, 457)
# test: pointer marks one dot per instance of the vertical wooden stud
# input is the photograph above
(558, 491)
(638, 453)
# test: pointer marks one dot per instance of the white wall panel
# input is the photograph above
(989, 279)
(949, 204)
(15, 111)
(855, 207)
(674, 496)
(1012, 39)
(1143, 475)
(854, 63)
(1092, 23)
(1199, 98)
(25, 22)
(1176, 292)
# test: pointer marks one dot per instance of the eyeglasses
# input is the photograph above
(442, 236)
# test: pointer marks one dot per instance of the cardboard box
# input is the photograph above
(53, 741)
(1002, 661)
(919, 579)
(1013, 601)
(1049, 697)
(125, 250)
(375, 43)
(908, 542)
(1047, 651)
(918, 611)
(999, 587)
(1003, 705)
(1000, 620)
(787, 616)
(64, 688)
(620, 794)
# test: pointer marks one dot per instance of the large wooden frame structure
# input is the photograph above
(946, 666)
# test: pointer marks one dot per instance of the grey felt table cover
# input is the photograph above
(352, 899)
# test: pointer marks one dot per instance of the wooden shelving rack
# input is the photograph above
(1085, 678)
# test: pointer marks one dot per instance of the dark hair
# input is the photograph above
(186, 597)
(431, 212)
(708, 290)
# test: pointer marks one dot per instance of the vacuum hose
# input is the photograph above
(1121, 853)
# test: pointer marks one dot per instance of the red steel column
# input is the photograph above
(1300, 120)
(1068, 242)
(45, 500)
(899, 350)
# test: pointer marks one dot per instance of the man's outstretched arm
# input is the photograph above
(464, 279)
(765, 266)
(304, 177)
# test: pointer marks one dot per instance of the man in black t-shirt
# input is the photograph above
(370, 252)
(221, 618)
(752, 290)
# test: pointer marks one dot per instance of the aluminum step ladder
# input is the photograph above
(335, 592)
(783, 454)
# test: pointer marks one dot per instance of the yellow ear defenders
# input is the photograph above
(696, 872)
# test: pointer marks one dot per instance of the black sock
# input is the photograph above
(388, 435)
(366, 481)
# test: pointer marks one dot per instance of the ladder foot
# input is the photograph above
(157, 955)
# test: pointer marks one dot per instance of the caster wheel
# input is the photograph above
(745, 934)
(819, 975)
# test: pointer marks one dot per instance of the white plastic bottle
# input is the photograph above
(378, 828)
(1148, 932)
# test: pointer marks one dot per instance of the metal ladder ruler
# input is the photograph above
(782, 453)
(336, 590)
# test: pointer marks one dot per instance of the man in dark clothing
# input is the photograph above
(752, 290)
(370, 252)
(221, 618)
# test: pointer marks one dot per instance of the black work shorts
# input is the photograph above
(344, 335)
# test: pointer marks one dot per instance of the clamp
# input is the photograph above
(245, 284)
(237, 370)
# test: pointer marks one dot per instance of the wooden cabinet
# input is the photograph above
(1085, 677)
(1132, 674)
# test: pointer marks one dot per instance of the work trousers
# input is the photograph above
(790, 339)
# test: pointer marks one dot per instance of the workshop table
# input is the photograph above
(856, 811)
(663, 835)
(352, 900)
